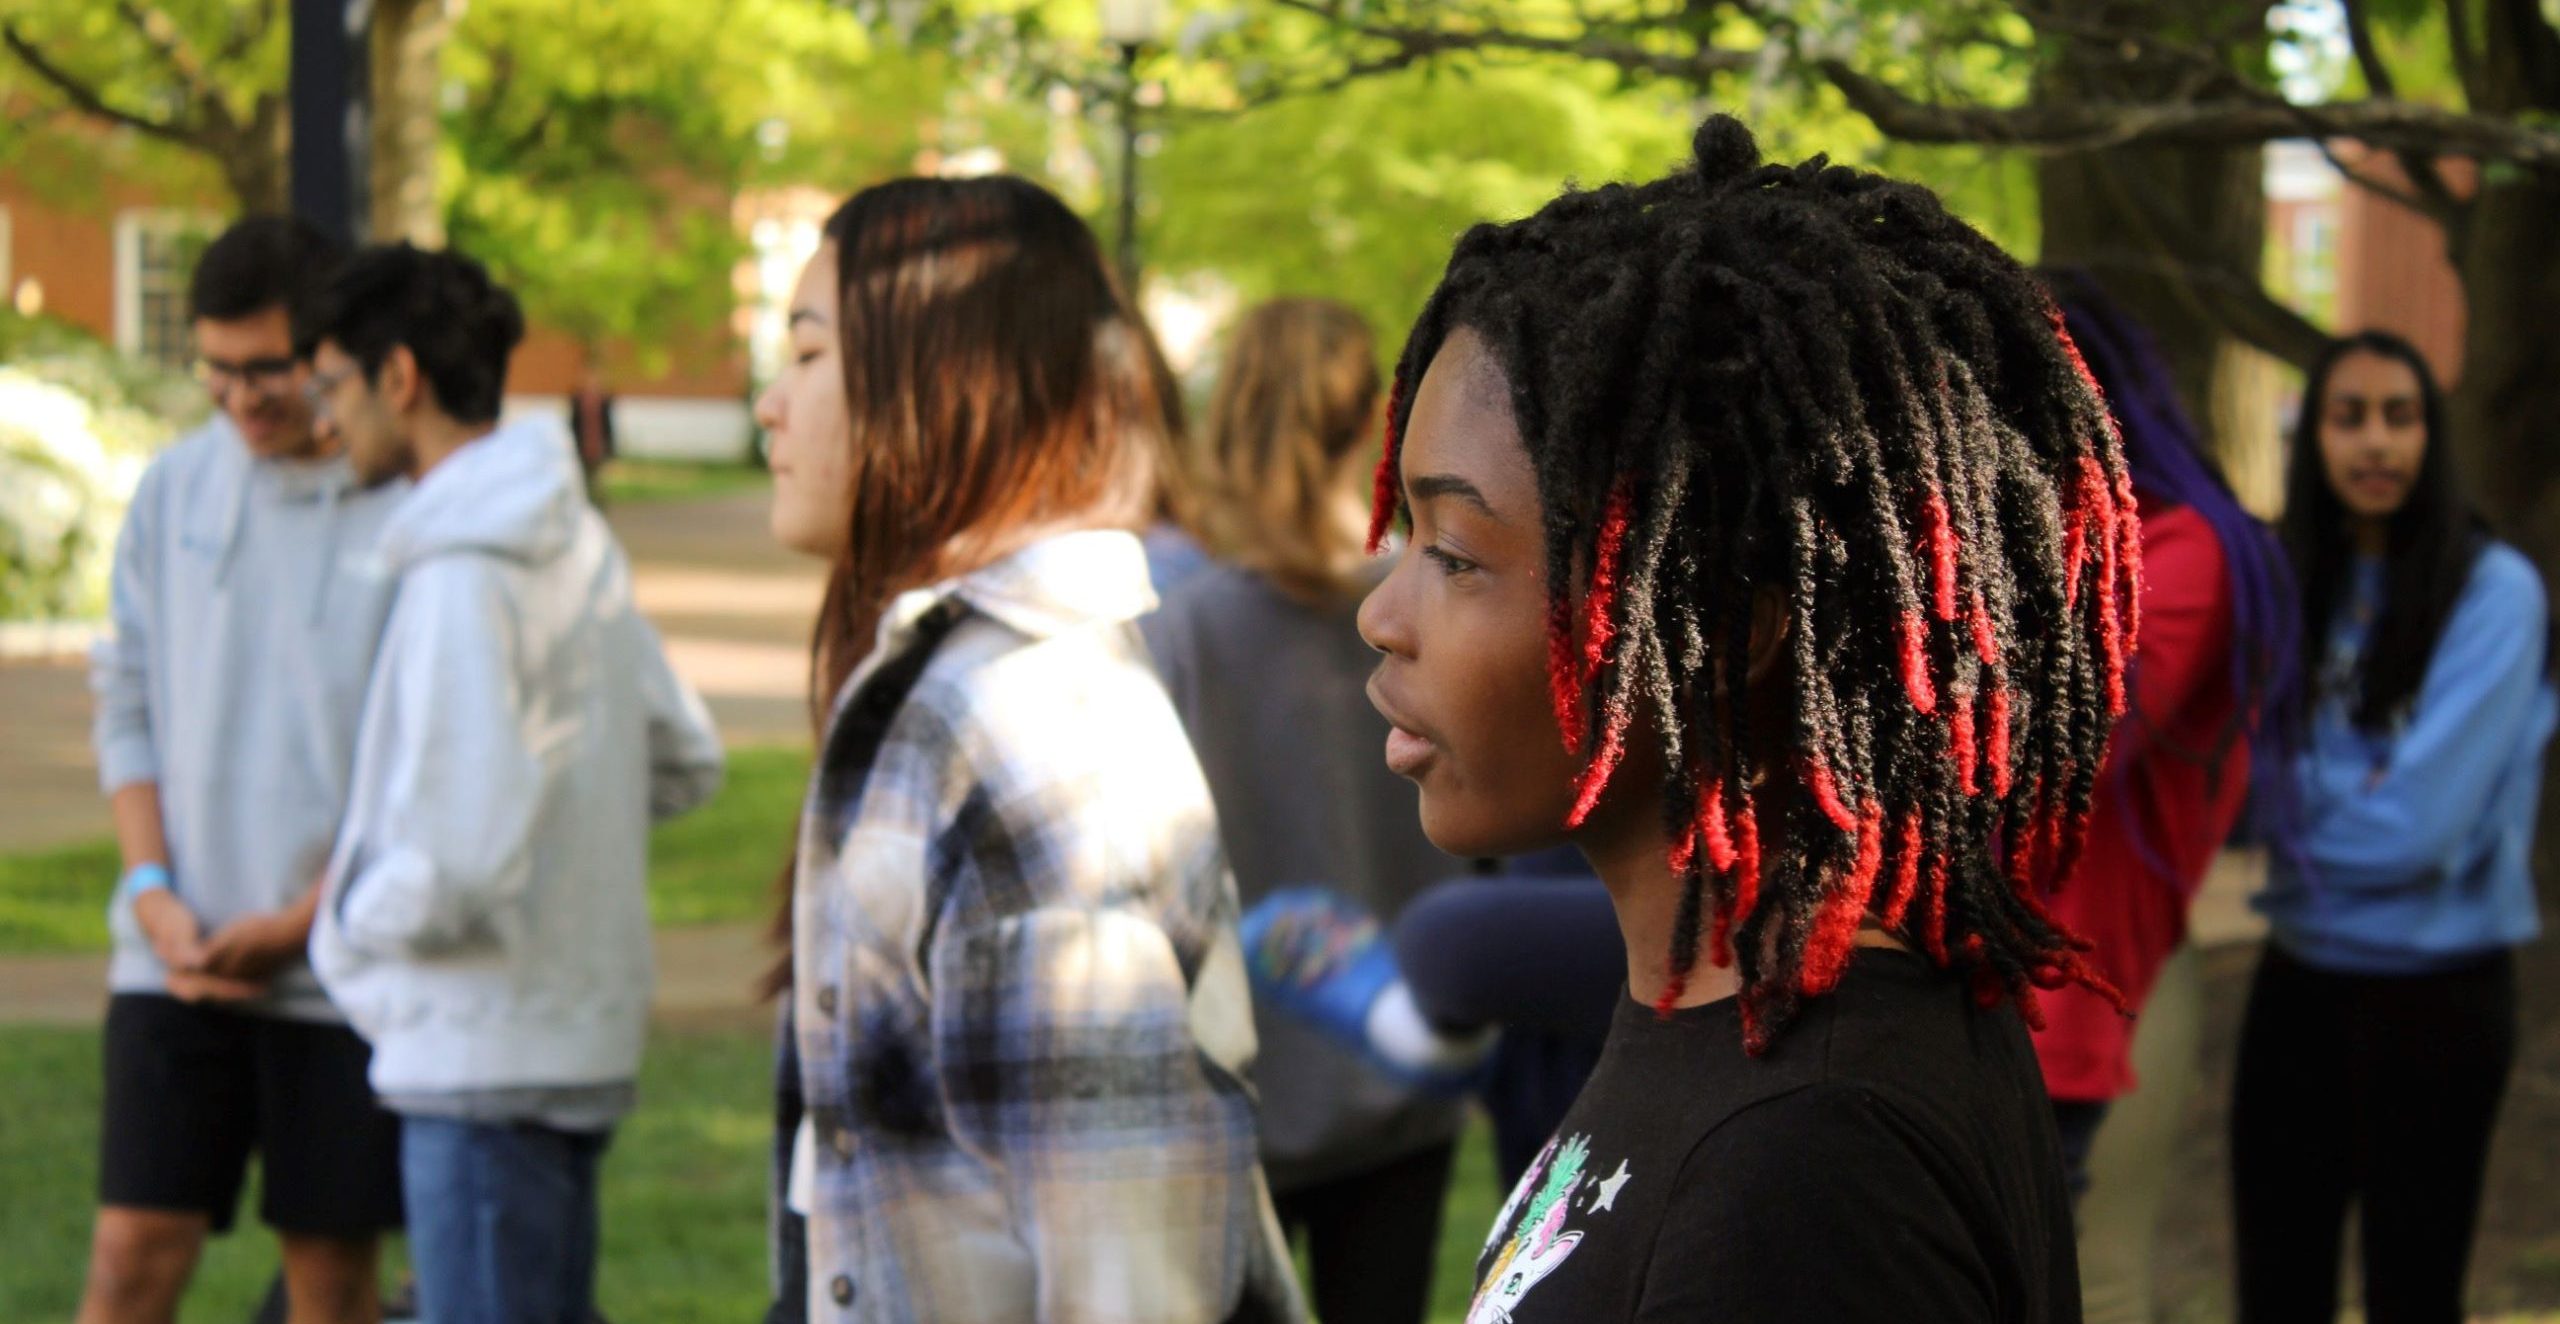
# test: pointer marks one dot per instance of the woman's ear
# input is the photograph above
(1770, 622)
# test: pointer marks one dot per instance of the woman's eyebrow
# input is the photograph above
(1426, 487)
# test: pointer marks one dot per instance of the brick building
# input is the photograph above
(110, 251)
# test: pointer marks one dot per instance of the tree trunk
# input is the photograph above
(2506, 409)
(2158, 225)
(258, 163)
(408, 45)
(2505, 412)
(257, 181)
(2106, 211)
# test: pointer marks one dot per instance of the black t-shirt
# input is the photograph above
(1891, 1158)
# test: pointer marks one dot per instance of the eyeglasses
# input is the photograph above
(318, 390)
(268, 376)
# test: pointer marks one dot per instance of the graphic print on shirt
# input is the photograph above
(1533, 1241)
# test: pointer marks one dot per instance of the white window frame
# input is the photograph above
(133, 225)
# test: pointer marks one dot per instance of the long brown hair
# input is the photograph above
(999, 386)
(1298, 396)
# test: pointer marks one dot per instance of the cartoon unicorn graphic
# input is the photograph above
(1538, 1244)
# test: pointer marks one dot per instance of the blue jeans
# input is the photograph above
(502, 1220)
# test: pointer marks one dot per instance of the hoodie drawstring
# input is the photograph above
(242, 480)
(328, 553)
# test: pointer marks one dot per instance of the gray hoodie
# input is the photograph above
(247, 600)
(486, 923)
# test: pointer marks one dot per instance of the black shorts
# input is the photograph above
(192, 1089)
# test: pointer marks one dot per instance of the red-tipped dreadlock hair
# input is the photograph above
(1812, 380)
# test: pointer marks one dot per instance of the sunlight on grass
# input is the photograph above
(56, 900)
(678, 480)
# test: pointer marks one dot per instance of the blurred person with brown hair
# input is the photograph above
(1264, 662)
(1017, 1024)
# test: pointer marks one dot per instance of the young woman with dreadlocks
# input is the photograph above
(2382, 1020)
(1770, 544)
(2211, 684)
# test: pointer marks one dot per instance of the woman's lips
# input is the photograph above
(2377, 482)
(1408, 754)
(1408, 751)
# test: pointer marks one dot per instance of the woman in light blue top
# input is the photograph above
(2381, 1024)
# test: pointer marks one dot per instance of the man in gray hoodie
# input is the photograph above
(485, 921)
(247, 604)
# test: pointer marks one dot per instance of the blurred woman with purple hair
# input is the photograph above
(2214, 674)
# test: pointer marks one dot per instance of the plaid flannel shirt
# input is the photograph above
(1019, 1007)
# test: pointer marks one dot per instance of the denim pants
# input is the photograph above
(502, 1220)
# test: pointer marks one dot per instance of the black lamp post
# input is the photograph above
(1130, 25)
(328, 74)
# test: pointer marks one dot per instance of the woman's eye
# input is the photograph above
(807, 356)
(1448, 564)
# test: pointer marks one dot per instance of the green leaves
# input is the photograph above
(591, 153)
(594, 152)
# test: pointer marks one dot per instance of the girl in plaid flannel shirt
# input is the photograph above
(1016, 1022)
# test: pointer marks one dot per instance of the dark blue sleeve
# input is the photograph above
(1538, 953)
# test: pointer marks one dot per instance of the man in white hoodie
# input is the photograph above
(247, 604)
(485, 921)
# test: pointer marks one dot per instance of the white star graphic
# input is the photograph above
(1609, 1189)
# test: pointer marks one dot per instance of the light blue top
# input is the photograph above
(2417, 842)
(248, 597)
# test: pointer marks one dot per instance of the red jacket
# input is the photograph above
(2160, 775)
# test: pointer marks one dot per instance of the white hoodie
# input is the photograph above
(486, 923)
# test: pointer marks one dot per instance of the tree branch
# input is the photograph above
(2451, 215)
(2235, 298)
(1414, 45)
(2377, 75)
(2377, 185)
(2466, 55)
(2083, 126)
(2434, 197)
(158, 32)
(90, 101)
(2206, 68)
(246, 37)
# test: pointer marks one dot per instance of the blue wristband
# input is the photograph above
(143, 878)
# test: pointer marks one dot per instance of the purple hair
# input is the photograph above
(2169, 465)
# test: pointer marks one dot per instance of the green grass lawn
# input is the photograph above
(683, 1186)
(720, 861)
(56, 900)
(716, 863)
(679, 480)
(683, 1189)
